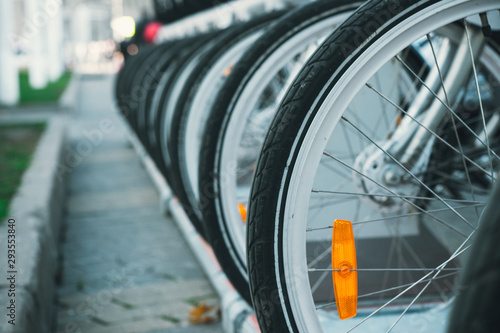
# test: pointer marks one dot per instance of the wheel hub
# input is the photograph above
(382, 182)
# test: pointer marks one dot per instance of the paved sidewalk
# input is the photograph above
(124, 267)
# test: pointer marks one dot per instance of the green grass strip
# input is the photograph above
(50, 94)
(17, 144)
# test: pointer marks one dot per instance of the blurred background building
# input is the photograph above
(45, 38)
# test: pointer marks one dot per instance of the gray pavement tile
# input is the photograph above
(67, 290)
(97, 217)
(124, 306)
(183, 291)
(114, 239)
(104, 183)
(70, 271)
(92, 202)
(135, 326)
(123, 168)
(172, 308)
(127, 229)
(96, 270)
(99, 158)
(146, 217)
(129, 276)
(98, 284)
(85, 250)
(124, 213)
(146, 325)
(206, 328)
(125, 267)
(145, 237)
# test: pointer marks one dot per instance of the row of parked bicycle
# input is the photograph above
(338, 157)
(172, 10)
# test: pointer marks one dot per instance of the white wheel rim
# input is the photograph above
(243, 107)
(296, 210)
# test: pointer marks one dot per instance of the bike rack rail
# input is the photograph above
(237, 315)
(222, 16)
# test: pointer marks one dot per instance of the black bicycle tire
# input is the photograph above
(139, 84)
(194, 48)
(150, 84)
(163, 65)
(277, 34)
(123, 81)
(179, 118)
(173, 56)
(297, 110)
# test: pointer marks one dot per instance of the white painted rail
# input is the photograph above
(222, 16)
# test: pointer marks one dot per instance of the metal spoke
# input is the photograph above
(384, 219)
(415, 299)
(383, 106)
(311, 270)
(409, 172)
(354, 114)
(453, 122)
(394, 196)
(332, 169)
(319, 281)
(412, 252)
(330, 202)
(457, 253)
(405, 200)
(479, 95)
(348, 141)
(447, 107)
(438, 69)
(390, 257)
(321, 256)
(389, 289)
(427, 129)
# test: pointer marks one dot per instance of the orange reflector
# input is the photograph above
(345, 281)
(243, 211)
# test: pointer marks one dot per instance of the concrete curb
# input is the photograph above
(37, 210)
(237, 315)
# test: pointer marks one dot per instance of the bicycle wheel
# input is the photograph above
(178, 55)
(158, 75)
(189, 111)
(124, 79)
(148, 120)
(409, 157)
(144, 80)
(151, 82)
(238, 121)
(168, 122)
(162, 120)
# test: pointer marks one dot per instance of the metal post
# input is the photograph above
(9, 77)
(54, 40)
(36, 20)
